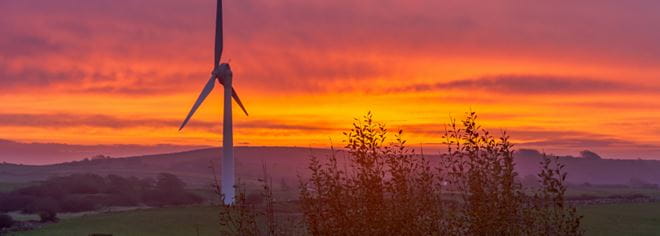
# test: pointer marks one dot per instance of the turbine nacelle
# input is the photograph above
(221, 72)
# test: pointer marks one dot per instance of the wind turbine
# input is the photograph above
(223, 74)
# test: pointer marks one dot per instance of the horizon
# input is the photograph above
(559, 78)
(65, 153)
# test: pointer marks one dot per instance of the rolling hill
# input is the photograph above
(287, 163)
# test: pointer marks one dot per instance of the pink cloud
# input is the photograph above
(287, 43)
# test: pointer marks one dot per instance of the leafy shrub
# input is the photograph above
(549, 214)
(241, 217)
(170, 190)
(386, 189)
(479, 168)
(169, 183)
(87, 192)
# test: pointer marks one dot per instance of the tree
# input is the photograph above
(385, 189)
(170, 190)
(169, 183)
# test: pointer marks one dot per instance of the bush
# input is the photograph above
(6, 221)
(479, 168)
(387, 190)
(169, 183)
(87, 192)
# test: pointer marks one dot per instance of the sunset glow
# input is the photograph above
(127, 71)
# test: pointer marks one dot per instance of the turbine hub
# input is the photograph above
(222, 72)
(224, 69)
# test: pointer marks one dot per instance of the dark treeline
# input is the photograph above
(88, 192)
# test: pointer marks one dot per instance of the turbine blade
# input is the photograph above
(218, 34)
(205, 92)
(238, 100)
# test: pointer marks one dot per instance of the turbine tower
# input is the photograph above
(223, 74)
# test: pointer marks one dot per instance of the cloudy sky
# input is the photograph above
(560, 76)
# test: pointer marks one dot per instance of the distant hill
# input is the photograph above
(192, 166)
(51, 153)
(286, 163)
(594, 170)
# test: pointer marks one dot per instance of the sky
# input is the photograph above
(558, 76)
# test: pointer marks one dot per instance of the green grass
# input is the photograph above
(606, 192)
(621, 219)
(162, 221)
(611, 219)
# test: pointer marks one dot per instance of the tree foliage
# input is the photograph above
(386, 189)
(88, 192)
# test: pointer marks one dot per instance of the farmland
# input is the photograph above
(612, 219)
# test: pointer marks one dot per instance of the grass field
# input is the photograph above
(615, 219)
(574, 191)
(162, 221)
(622, 219)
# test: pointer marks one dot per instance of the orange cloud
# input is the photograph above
(126, 71)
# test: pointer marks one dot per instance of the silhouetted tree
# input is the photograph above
(239, 218)
(87, 192)
(387, 190)
(480, 169)
(170, 190)
(167, 182)
(548, 213)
